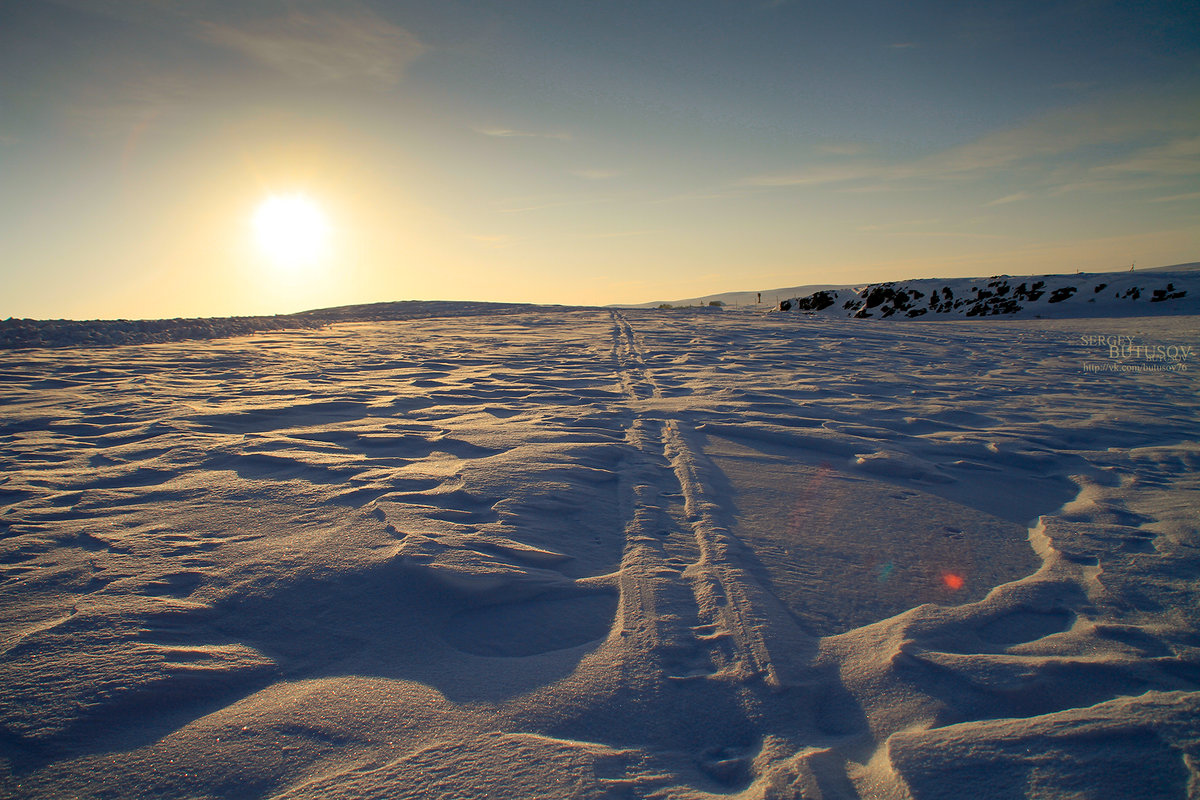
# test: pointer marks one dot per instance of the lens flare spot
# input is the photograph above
(953, 580)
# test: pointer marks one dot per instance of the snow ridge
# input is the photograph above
(1079, 295)
(22, 333)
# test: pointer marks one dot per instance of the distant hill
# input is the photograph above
(18, 333)
(1153, 292)
(1189, 267)
(770, 297)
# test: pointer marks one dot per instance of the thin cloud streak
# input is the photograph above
(1177, 198)
(949, 234)
(322, 47)
(1011, 198)
(108, 111)
(1177, 157)
(891, 226)
(843, 149)
(618, 234)
(597, 174)
(546, 206)
(510, 133)
(1066, 136)
(495, 240)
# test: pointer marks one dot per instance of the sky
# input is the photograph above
(581, 152)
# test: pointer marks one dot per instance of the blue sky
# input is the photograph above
(583, 152)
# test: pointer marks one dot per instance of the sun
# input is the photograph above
(291, 229)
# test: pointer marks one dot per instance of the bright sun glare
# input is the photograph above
(291, 229)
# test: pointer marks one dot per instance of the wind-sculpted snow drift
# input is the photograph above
(19, 333)
(1106, 294)
(597, 554)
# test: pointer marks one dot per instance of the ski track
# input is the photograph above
(601, 554)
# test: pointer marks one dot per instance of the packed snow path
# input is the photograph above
(605, 554)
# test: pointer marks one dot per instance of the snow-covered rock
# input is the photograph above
(1106, 294)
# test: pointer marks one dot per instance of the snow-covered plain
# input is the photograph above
(606, 554)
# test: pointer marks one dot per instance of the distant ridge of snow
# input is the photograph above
(1171, 291)
(770, 297)
(20, 333)
(1188, 267)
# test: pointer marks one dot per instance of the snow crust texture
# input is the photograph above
(603, 554)
(21, 333)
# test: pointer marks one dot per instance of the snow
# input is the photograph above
(762, 299)
(1046, 296)
(594, 553)
(16, 333)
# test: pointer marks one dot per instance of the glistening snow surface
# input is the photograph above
(605, 554)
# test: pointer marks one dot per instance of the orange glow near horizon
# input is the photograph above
(953, 580)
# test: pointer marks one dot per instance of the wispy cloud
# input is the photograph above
(949, 234)
(1063, 147)
(1016, 197)
(1095, 181)
(597, 174)
(618, 234)
(510, 133)
(823, 174)
(1174, 198)
(891, 226)
(1074, 86)
(308, 40)
(520, 209)
(879, 188)
(842, 149)
(905, 228)
(127, 108)
(1176, 157)
(494, 240)
(322, 46)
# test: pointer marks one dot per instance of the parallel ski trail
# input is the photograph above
(738, 624)
(656, 609)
